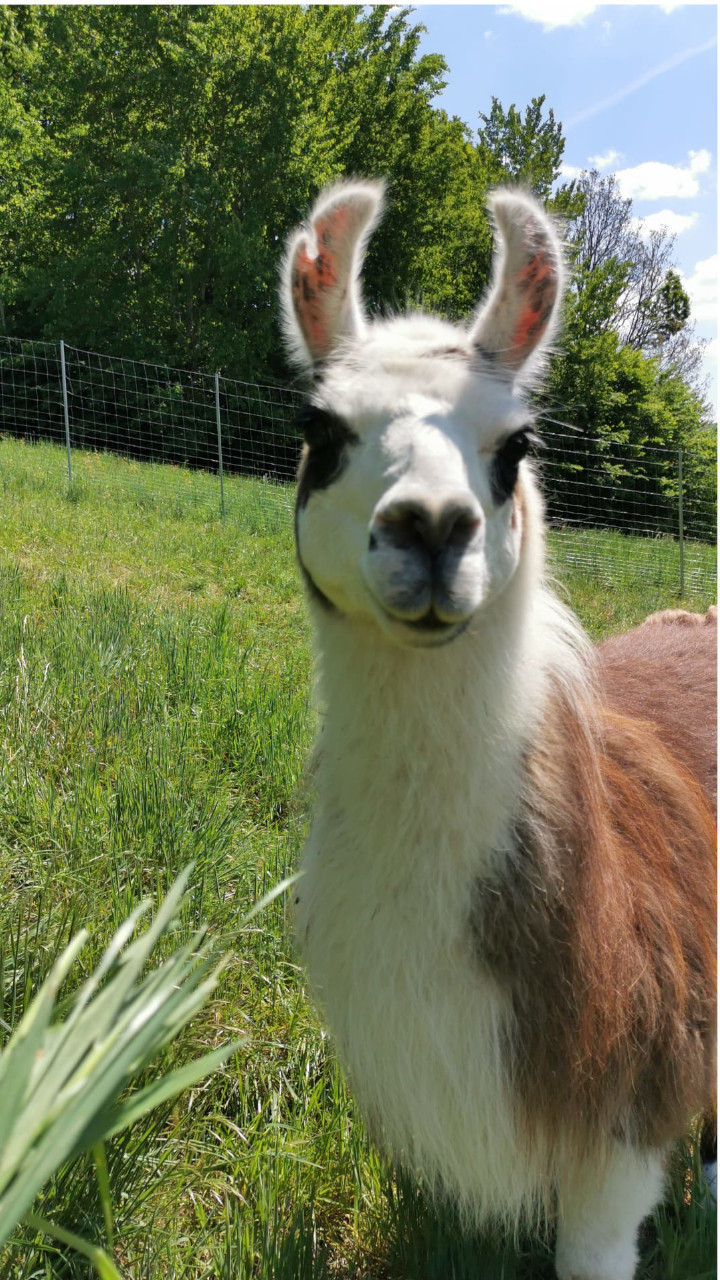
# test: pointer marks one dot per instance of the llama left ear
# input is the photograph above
(321, 297)
(520, 316)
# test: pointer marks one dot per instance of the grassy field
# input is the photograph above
(154, 708)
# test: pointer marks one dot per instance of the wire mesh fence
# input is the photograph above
(628, 514)
(173, 425)
(227, 447)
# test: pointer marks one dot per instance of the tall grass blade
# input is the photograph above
(153, 1095)
(61, 1082)
(104, 1265)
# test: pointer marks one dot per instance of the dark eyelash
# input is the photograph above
(506, 463)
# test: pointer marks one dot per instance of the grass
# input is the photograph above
(613, 581)
(154, 676)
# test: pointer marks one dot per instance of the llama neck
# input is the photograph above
(410, 737)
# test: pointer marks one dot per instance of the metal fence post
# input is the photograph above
(681, 530)
(219, 431)
(65, 407)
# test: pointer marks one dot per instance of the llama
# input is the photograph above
(506, 907)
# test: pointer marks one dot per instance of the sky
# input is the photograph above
(635, 87)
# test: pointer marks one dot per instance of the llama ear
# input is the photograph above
(322, 302)
(519, 317)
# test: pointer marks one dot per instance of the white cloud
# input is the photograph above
(700, 161)
(552, 13)
(569, 171)
(569, 13)
(655, 180)
(665, 220)
(604, 161)
(702, 287)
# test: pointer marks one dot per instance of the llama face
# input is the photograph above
(410, 497)
(409, 508)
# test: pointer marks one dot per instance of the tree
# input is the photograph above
(524, 149)
(672, 307)
(624, 281)
(179, 146)
(631, 418)
(173, 151)
(168, 151)
(24, 154)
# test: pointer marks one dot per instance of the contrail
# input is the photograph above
(638, 84)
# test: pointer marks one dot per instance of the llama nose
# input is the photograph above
(412, 524)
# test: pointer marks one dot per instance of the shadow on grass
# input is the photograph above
(426, 1240)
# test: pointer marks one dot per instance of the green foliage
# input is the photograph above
(173, 142)
(672, 307)
(162, 155)
(451, 247)
(525, 149)
(611, 393)
(590, 306)
(614, 379)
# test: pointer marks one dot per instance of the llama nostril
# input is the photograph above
(461, 529)
(406, 525)
(411, 525)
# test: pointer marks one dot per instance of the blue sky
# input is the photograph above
(635, 87)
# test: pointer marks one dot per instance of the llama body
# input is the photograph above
(475, 907)
(384, 910)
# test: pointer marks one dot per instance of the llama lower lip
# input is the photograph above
(432, 629)
(431, 622)
(426, 632)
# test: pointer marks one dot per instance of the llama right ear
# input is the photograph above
(520, 316)
(321, 298)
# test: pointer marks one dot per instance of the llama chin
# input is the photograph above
(506, 911)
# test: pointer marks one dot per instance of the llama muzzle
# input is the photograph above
(424, 560)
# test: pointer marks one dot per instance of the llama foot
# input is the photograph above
(600, 1212)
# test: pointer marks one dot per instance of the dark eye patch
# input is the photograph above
(327, 437)
(506, 463)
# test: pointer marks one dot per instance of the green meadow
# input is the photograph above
(155, 674)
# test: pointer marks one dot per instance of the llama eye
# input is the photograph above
(320, 428)
(505, 464)
(327, 436)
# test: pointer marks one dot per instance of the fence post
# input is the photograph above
(681, 530)
(219, 431)
(65, 407)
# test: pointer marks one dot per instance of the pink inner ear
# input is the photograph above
(316, 279)
(537, 284)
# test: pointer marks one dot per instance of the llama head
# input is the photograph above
(413, 494)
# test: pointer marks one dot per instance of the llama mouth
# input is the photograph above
(434, 630)
(430, 622)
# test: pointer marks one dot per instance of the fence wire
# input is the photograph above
(215, 443)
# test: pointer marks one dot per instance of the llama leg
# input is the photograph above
(600, 1212)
